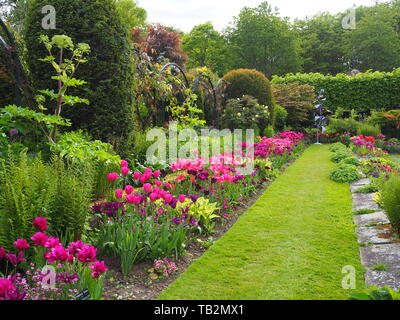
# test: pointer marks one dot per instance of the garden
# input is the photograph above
(131, 168)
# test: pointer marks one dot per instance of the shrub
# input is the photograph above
(79, 148)
(391, 200)
(341, 155)
(368, 130)
(245, 113)
(298, 101)
(281, 116)
(269, 132)
(250, 82)
(337, 147)
(364, 92)
(342, 126)
(351, 160)
(160, 43)
(388, 121)
(108, 71)
(345, 173)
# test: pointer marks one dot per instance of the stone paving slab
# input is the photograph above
(364, 201)
(387, 254)
(379, 279)
(365, 219)
(377, 235)
(361, 183)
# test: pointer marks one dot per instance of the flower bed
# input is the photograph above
(153, 219)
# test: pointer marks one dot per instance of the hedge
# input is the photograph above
(363, 92)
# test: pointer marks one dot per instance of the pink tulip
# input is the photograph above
(136, 175)
(128, 189)
(40, 223)
(119, 193)
(124, 164)
(147, 187)
(113, 176)
(21, 244)
(158, 183)
(153, 197)
(125, 171)
(156, 174)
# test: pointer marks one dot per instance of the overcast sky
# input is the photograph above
(185, 14)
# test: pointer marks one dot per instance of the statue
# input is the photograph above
(321, 115)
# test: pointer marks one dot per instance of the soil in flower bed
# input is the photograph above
(138, 286)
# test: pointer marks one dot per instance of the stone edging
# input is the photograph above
(378, 244)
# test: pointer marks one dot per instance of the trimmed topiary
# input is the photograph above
(250, 82)
(345, 173)
(108, 72)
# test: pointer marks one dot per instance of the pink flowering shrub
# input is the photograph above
(75, 267)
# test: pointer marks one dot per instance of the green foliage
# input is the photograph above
(269, 132)
(389, 122)
(338, 146)
(391, 200)
(342, 126)
(108, 70)
(371, 188)
(375, 33)
(364, 92)
(368, 130)
(203, 211)
(298, 100)
(345, 173)
(74, 192)
(281, 116)
(131, 14)
(134, 238)
(260, 39)
(351, 160)
(245, 113)
(322, 42)
(250, 82)
(205, 46)
(78, 148)
(341, 155)
(30, 188)
(375, 293)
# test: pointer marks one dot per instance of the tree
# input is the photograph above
(131, 14)
(322, 39)
(108, 72)
(261, 40)
(375, 44)
(206, 47)
(160, 43)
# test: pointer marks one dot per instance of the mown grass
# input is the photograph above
(291, 244)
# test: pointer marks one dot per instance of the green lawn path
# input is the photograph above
(291, 244)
